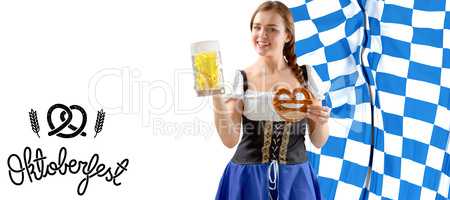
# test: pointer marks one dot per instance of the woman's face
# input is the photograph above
(268, 34)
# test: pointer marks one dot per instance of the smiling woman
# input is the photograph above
(270, 161)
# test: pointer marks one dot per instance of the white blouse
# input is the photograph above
(258, 104)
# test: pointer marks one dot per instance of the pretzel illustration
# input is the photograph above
(292, 113)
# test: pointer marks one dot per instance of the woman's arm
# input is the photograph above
(318, 124)
(227, 118)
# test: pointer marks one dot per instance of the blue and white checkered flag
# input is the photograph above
(386, 67)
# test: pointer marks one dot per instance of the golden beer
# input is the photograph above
(206, 63)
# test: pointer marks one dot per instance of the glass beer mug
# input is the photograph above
(206, 62)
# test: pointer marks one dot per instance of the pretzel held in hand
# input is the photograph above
(292, 109)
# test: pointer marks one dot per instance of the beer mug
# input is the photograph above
(206, 63)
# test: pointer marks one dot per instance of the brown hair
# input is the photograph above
(289, 47)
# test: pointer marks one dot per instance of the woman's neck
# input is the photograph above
(272, 64)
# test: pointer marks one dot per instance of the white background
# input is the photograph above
(131, 58)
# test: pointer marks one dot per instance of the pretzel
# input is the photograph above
(292, 114)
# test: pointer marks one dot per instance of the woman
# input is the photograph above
(270, 161)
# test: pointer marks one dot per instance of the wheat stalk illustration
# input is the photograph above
(34, 122)
(99, 122)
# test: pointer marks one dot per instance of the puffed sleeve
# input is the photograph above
(237, 88)
(315, 83)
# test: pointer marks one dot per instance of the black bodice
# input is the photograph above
(266, 141)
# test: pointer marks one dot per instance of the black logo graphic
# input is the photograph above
(65, 120)
(37, 166)
(99, 122)
(34, 122)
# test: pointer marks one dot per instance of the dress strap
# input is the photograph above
(244, 76)
(305, 72)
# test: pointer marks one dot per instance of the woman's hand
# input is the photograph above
(318, 113)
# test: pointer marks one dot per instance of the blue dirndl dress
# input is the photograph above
(270, 162)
